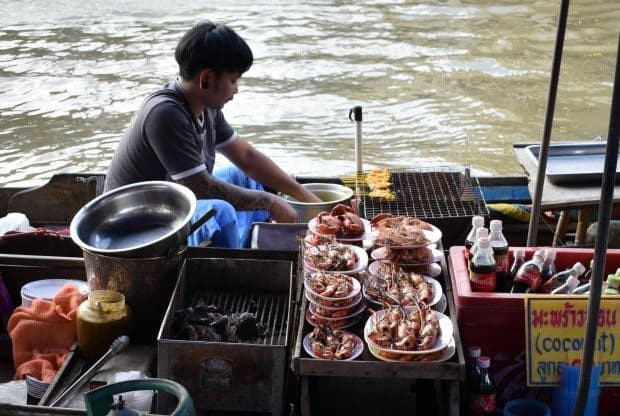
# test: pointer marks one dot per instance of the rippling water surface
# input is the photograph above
(440, 82)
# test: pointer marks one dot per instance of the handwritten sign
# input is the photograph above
(555, 334)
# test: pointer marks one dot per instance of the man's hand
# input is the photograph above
(282, 211)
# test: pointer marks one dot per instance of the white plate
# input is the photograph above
(357, 287)
(359, 309)
(434, 269)
(350, 322)
(47, 289)
(446, 354)
(445, 326)
(437, 291)
(362, 262)
(433, 236)
(357, 348)
(442, 305)
(315, 301)
(367, 233)
(381, 253)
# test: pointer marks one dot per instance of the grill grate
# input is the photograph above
(428, 195)
(271, 311)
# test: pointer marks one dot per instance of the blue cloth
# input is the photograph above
(228, 227)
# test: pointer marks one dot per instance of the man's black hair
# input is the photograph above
(214, 46)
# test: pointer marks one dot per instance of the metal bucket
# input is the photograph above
(330, 193)
(147, 284)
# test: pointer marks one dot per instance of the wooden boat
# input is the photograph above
(53, 205)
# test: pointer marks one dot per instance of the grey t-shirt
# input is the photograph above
(165, 140)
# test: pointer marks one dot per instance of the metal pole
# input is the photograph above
(600, 246)
(355, 114)
(544, 143)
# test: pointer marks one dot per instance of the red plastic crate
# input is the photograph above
(495, 322)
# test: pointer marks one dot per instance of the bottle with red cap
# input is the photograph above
(482, 268)
(482, 401)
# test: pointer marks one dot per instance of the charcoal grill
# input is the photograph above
(445, 196)
(246, 377)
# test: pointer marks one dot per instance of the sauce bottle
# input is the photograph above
(482, 268)
(518, 261)
(101, 319)
(527, 279)
(473, 371)
(483, 395)
(560, 278)
(499, 244)
(481, 232)
(571, 284)
(548, 269)
(477, 221)
(613, 285)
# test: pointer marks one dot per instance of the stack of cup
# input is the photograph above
(565, 395)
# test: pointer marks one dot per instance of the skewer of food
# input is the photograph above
(378, 181)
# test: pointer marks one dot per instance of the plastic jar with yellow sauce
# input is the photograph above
(101, 319)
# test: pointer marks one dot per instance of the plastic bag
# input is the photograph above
(14, 221)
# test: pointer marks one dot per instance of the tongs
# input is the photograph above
(117, 346)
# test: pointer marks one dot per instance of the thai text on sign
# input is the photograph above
(555, 335)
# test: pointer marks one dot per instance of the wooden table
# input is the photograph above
(585, 198)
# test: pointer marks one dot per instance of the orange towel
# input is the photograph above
(43, 333)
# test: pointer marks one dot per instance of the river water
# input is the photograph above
(440, 82)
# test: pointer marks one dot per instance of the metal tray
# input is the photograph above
(570, 163)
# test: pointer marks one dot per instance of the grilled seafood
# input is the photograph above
(400, 331)
(340, 222)
(422, 254)
(330, 256)
(332, 344)
(343, 303)
(334, 285)
(397, 287)
(396, 230)
(333, 313)
(316, 320)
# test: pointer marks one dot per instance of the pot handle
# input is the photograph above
(201, 220)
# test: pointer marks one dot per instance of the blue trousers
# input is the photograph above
(228, 227)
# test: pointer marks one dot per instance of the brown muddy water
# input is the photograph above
(440, 82)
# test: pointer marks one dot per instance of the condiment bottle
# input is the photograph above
(613, 285)
(527, 279)
(499, 244)
(477, 221)
(560, 278)
(571, 284)
(481, 232)
(483, 395)
(101, 319)
(473, 371)
(482, 268)
(518, 261)
(548, 268)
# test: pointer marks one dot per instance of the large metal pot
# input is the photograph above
(331, 194)
(145, 219)
(146, 283)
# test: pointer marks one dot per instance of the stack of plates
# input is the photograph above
(336, 313)
(35, 387)
(443, 349)
(47, 289)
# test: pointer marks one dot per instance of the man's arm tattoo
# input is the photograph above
(240, 198)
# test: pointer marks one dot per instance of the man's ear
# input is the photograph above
(205, 75)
